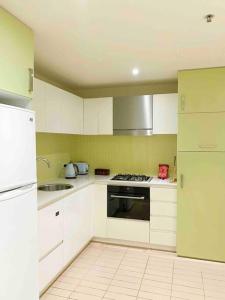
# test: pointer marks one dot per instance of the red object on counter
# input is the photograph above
(163, 171)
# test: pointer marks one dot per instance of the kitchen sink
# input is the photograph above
(55, 187)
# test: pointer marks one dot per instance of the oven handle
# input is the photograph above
(127, 197)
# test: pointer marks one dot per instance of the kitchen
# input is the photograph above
(84, 213)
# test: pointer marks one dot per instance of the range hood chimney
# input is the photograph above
(133, 115)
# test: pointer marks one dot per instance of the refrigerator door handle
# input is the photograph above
(4, 196)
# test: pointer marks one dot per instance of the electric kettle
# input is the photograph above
(71, 170)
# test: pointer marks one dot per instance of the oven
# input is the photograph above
(128, 202)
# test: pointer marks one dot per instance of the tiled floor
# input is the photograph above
(112, 272)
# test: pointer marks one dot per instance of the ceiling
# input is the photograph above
(99, 42)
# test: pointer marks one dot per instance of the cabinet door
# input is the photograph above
(78, 222)
(100, 210)
(201, 132)
(201, 90)
(87, 221)
(71, 113)
(50, 228)
(72, 224)
(16, 55)
(201, 205)
(105, 116)
(165, 108)
(54, 105)
(39, 105)
(91, 107)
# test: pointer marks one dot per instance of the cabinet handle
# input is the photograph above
(182, 102)
(31, 80)
(207, 146)
(181, 181)
(57, 214)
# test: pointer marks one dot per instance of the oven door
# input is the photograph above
(128, 206)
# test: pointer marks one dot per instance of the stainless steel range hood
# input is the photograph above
(133, 115)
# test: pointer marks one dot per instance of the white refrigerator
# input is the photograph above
(18, 205)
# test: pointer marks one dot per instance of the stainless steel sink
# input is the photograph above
(54, 187)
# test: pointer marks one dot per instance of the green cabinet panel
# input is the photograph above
(16, 55)
(201, 132)
(201, 90)
(201, 205)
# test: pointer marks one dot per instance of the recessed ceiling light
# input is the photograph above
(135, 71)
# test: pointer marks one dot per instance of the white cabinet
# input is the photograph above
(165, 107)
(98, 116)
(100, 210)
(77, 222)
(50, 267)
(50, 228)
(128, 230)
(57, 111)
(50, 231)
(39, 105)
(163, 209)
(65, 227)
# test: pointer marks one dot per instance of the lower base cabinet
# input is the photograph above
(50, 266)
(68, 225)
(77, 222)
(163, 210)
(128, 230)
(65, 228)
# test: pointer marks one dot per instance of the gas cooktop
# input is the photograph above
(132, 177)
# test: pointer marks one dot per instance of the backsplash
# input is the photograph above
(126, 154)
(57, 149)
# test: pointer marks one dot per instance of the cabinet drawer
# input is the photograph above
(129, 230)
(50, 267)
(163, 238)
(163, 223)
(50, 228)
(201, 132)
(163, 194)
(163, 209)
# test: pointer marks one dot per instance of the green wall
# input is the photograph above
(57, 149)
(134, 154)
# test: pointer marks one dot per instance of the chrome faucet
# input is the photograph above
(45, 160)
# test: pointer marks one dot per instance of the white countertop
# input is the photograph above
(47, 198)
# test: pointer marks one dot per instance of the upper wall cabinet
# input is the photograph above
(201, 90)
(165, 113)
(57, 111)
(98, 116)
(16, 56)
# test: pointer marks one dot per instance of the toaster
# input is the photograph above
(83, 168)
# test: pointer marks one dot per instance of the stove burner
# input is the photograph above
(131, 177)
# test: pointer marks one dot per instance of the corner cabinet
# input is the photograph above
(57, 111)
(16, 56)
(98, 116)
(165, 107)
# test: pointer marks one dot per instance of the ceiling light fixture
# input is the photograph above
(209, 18)
(135, 71)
